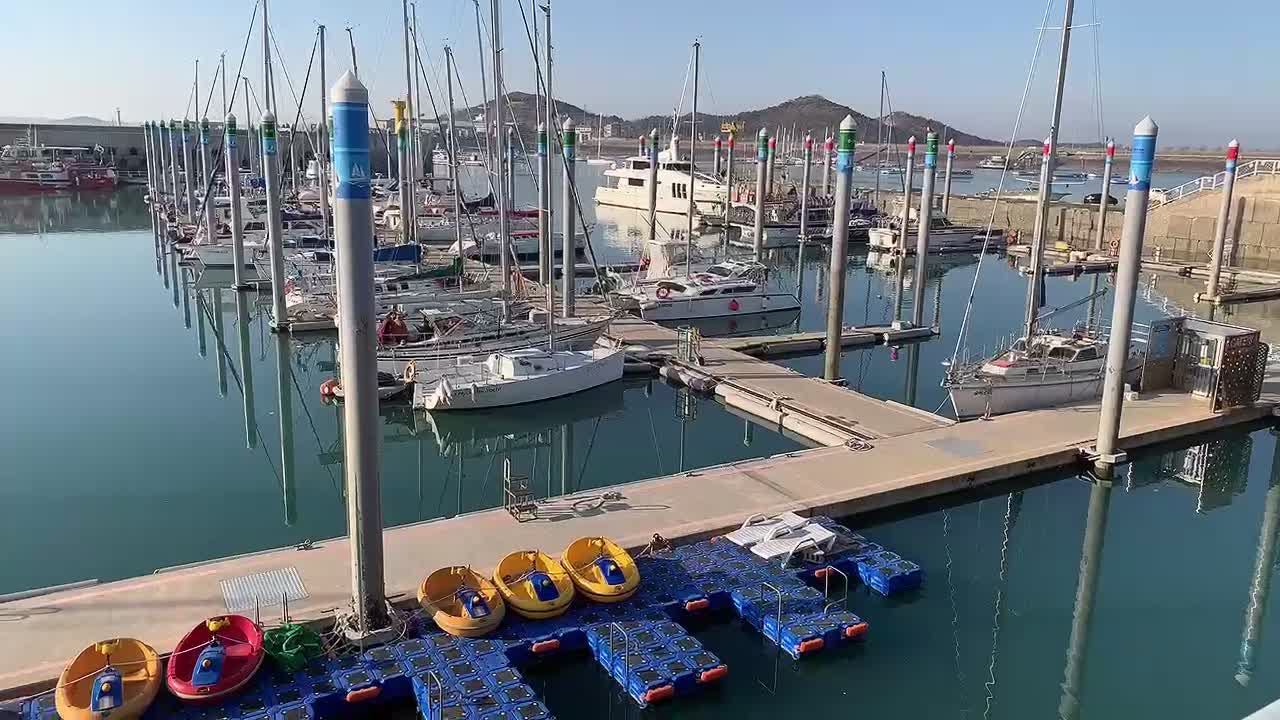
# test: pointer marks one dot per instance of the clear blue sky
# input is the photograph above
(1205, 71)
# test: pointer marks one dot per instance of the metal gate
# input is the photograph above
(1197, 363)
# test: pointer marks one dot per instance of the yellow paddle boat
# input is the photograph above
(601, 570)
(534, 584)
(113, 678)
(462, 601)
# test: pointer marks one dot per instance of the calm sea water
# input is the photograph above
(124, 452)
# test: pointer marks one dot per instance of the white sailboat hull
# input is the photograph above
(970, 398)
(586, 370)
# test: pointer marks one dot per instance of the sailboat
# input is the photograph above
(521, 375)
(1044, 367)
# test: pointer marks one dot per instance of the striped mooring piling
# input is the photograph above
(839, 246)
(922, 227)
(1224, 213)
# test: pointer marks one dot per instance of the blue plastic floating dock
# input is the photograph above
(640, 644)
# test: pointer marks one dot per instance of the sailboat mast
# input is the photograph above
(693, 148)
(504, 240)
(406, 212)
(484, 87)
(879, 140)
(1036, 282)
(453, 168)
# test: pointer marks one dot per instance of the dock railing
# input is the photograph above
(1269, 166)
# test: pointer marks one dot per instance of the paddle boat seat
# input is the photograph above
(755, 528)
(783, 543)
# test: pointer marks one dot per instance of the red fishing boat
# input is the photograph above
(29, 168)
(219, 656)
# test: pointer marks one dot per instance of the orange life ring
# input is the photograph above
(663, 292)
(1115, 244)
(733, 305)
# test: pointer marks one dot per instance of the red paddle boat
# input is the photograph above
(218, 657)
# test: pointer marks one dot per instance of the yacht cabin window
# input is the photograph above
(635, 182)
(1089, 353)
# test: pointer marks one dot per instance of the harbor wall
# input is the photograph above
(1181, 230)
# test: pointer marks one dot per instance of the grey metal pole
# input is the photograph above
(728, 184)
(484, 86)
(826, 167)
(922, 227)
(804, 192)
(1100, 240)
(188, 171)
(762, 180)
(1224, 213)
(173, 166)
(407, 208)
(357, 326)
(653, 183)
(284, 408)
(715, 157)
(146, 148)
(1142, 157)
(230, 149)
(1095, 531)
(499, 107)
(293, 161)
(1035, 283)
(908, 190)
(218, 328)
(773, 154)
(511, 166)
(162, 167)
(839, 246)
(210, 227)
(549, 117)
(693, 150)
(1263, 569)
(322, 149)
(452, 146)
(275, 229)
(415, 127)
(246, 371)
(545, 255)
(567, 279)
(408, 232)
(946, 180)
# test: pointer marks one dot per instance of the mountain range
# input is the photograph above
(811, 113)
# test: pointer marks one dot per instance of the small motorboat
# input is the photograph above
(218, 657)
(113, 678)
(461, 601)
(601, 570)
(534, 584)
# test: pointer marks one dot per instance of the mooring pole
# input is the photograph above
(162, 167)
(275, 229)
(146, 149)
(1224, 213)
(922, 227)
(826, 167)
(715, 157)
(908, 181)
(1142, 157)
(839, 246)
(762, 170)
(567, 264)
(173, 165)
(210, 227)
(1101, 238)
(804, 194)
(407, 233)
(769, 176)
(230, 149)
(946, 181)
(188, 171)
(545, 255)
(728, 185)
(357, 326)
(511, 166)
(653, 184)
(322, 147)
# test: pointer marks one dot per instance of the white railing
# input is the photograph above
(1213, 182)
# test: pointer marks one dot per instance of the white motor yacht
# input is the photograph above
(628, 186)
(724, 289)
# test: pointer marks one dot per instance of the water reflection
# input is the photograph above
(1217, 469)
(284, 398)
(246, 370)
(1086, 591)
(124, 209)
(1263, 568)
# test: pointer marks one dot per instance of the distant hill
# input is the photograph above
(812, 113)
(74, 120)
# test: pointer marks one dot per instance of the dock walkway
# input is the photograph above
(901, 466)
(815, 409)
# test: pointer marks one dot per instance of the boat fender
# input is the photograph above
(327, 387)
(366, 693)
(733, 305)
(663, 292)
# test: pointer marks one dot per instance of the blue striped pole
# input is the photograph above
(922, 226)
(1141, 160)
(848, 135)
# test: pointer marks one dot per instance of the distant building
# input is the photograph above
(612, 130)
(585, 132)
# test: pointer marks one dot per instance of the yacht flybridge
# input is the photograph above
(628, 186)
